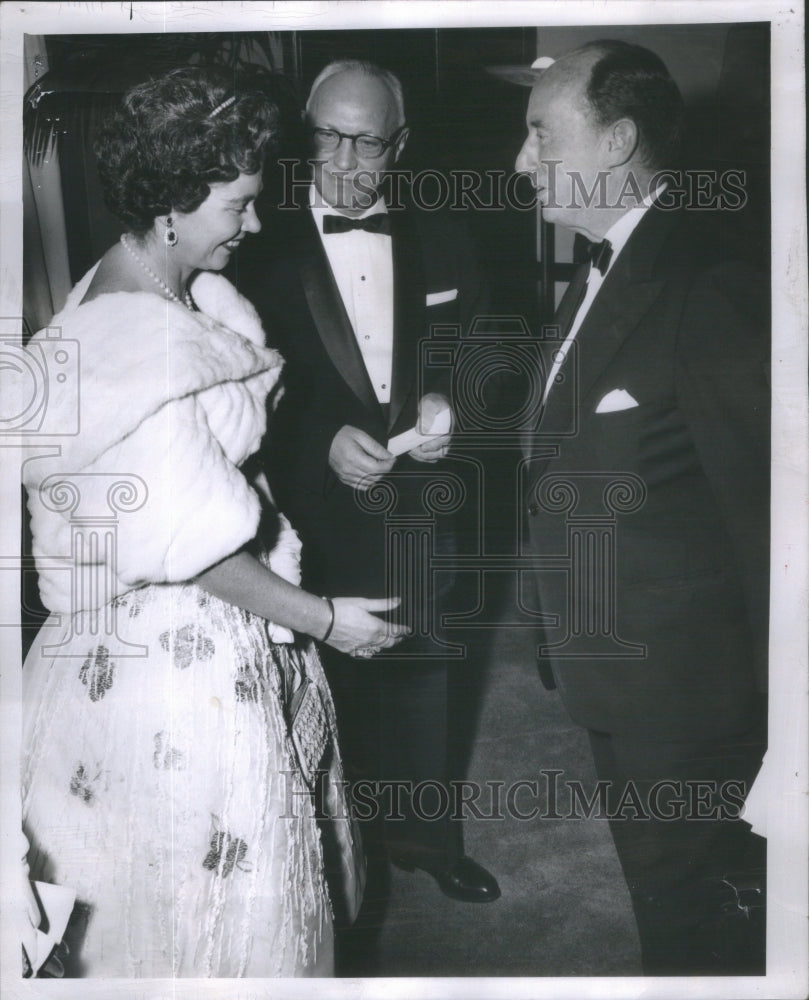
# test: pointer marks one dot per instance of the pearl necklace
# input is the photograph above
(186, 300)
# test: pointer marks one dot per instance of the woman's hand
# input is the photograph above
(358, 632)
(242, 580)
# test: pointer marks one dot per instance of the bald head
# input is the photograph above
(355, 68)
(352, 94)
(572, 73)
(601, 121)
(354, 99)
(621, 80)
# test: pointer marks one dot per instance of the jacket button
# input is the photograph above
(533, 509)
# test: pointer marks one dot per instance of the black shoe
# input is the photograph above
(464, 880)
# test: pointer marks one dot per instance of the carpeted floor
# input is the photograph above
(564, 909)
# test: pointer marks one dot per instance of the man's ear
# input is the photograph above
(400, 144)
(620, 142)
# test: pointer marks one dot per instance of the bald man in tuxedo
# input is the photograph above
(657, 383)
(347, 289)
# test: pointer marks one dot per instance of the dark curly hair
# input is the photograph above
(164, 147)
(629, 81)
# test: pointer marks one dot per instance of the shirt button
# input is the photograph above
(533, 509)
(367, 337)
(362, 277)
(384, 386)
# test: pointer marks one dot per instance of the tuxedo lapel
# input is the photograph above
(608, 324)
(409, 310)
(330, 318)
(569, 306)
(552, 339)
(628, 292)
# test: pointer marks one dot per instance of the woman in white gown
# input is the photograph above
(176, 714)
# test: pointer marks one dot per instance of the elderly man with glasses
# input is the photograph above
(348, 292)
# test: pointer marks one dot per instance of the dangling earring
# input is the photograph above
(171, 235)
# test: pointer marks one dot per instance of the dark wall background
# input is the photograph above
(461, 117)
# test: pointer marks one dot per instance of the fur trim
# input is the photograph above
(173, 398)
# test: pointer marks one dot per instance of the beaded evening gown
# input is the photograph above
(161, 779)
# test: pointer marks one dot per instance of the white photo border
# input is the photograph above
(788, 957)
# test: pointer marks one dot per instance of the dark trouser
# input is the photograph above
(697, 881)
(392, 718)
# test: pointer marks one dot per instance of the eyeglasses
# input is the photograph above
(368, 146)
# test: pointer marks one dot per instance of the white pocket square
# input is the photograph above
(436, 298)
(618, 399)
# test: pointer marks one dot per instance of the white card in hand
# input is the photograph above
(442, 422)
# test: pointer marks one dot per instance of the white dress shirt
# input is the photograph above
(618, 235)
(362, 264)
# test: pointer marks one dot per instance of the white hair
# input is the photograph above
(390, 80)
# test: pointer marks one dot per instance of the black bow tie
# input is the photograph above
(600, 254)
(378, 223)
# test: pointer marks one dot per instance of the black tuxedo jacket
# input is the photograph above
(674, 564)
(286, 274)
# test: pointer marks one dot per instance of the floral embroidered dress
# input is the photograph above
(162, 775)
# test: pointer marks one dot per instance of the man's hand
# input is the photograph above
(358, 460)
(437, 447)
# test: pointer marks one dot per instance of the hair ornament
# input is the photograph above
(222, 106)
